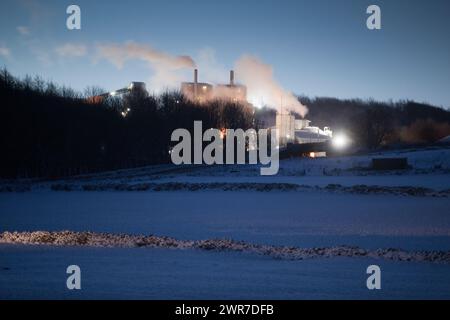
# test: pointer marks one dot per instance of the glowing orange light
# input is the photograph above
(222, 133)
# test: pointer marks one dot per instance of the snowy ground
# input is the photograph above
(39, 272)
(304, 218)
(429, 168)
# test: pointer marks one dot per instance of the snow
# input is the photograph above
(302, 207)
(430, 168)
(273, 216)
(39, 273)
(108, 240)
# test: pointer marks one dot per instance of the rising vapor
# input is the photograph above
(118, 54)
(263, 89)
(164, 65)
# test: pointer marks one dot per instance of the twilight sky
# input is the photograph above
(315, 47)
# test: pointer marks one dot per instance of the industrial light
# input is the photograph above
(340, 141)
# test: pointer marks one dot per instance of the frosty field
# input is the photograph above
(111, 273)
(311, 216)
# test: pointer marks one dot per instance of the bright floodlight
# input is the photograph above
(340, 141)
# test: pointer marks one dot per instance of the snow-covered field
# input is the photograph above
(312, 203)
(429, 168)
(124, 273)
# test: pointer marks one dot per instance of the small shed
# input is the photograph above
(389, 163)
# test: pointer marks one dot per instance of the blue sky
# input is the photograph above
(317, 48)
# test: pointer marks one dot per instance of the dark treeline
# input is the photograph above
(51, 131)
(374, 124)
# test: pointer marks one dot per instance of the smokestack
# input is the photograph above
(195, 83)
(232, 77)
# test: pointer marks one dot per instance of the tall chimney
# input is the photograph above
(231, 77)
(195, 83)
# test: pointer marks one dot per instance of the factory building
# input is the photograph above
(232, 91)
(299, 131)
(197, 91)
(135, 88)
(202, 92)
(285, 123)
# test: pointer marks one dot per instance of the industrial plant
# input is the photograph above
(133, 88)
(292, 131)
(299, 131)
(202, 92)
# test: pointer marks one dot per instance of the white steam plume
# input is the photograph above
(165, 66)
(263, 89)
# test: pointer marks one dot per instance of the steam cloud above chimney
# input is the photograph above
(262, 88)
(261, 85)
(164, 65)
(118, 54)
